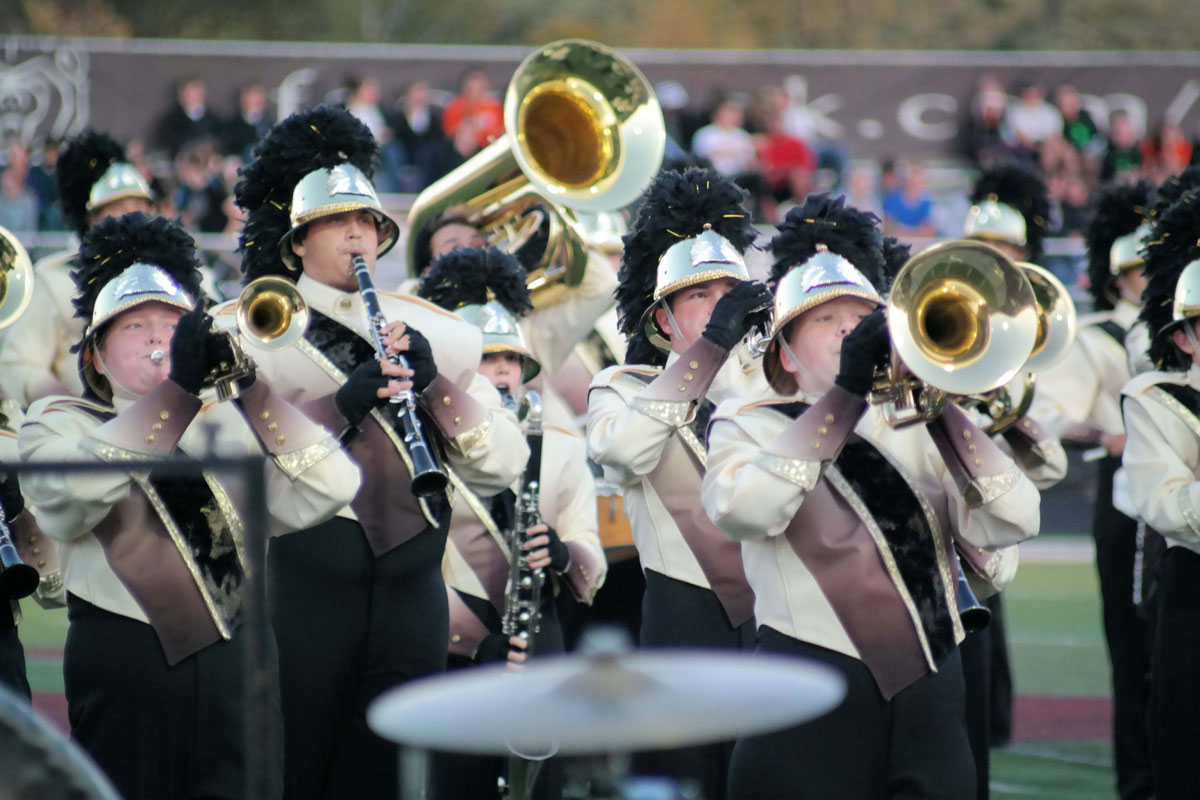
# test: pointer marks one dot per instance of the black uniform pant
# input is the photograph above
(349, 626)
(679, 614)
(12, 657)
(1127, 636)
(1175, 678)
(160, 732)
(1000, 680)
(868, 748)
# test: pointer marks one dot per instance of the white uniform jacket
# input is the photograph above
(777, 485)
(642, 430)
(106, 520)
(477, 556)
(483, 443)
(1162, 453)
(35, 354)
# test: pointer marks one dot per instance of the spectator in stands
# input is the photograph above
(908, 209)
(726, 145)
(983, 139)
(787, 164)
(862, 191)
(135, 151)
(249, 124)
(673, 98)
(43, 183)
(1123, 157)
(18, 203)
(187, 120)
(200, 198)
(362, 100)
(1032, 120)
(417, 123)
(473, 113)
(1079, 129)
(1167, 152)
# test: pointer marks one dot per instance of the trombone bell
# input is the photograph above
(271, 313)
(1056, 318)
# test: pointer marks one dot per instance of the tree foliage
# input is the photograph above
(809, 24)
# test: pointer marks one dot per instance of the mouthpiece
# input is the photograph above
(157, 357)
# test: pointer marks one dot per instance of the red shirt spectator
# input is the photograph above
(475, 107)
(787, 163)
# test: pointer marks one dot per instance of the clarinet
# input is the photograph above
(427, 477)
(17, 579)
(522, 601)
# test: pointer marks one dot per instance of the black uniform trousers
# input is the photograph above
(680, 614)
(458, 776)
(349, 626)
(913, 746)
(12, 654)
(159, 732)
(1127, 636)
(1175, 678)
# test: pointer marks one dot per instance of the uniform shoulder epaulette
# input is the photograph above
(420, 301)
(73, 405)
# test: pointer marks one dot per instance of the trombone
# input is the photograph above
(1055, 333)
(963, 321)
(583, 133)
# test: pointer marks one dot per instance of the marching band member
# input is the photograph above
(1010, 208)
(847, 528)
(95, 182)
(1086, 389)
(1162, 460)
(154, 565)
(487, 288)
(686, 302)
(358, 603)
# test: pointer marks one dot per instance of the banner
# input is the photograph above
(879, 104)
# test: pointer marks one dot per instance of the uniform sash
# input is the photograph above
(875, 588)
(184, 563)
(720, 557)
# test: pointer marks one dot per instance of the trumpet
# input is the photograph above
(427, 477)
(271, 313)
(963, 320)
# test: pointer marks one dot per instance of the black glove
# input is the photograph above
(494, 647)
(189, 350)
(729, 321)
(10, 497)
(360, 393)
(560, 556)
(864, 348)
(420, 360)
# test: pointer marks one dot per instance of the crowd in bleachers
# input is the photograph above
(767, 141)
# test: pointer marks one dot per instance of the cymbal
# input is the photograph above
(606, 702)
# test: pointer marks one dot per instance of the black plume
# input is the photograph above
(82, 162)
(1024, 190)
(306, 141)
(1170, 190)
(895, 254)
(112, 245)
(1117, 211)
(677, 206)
(474, 275)
(823, 219)
(1172, 247)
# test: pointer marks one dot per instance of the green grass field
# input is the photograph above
(1057, 649)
